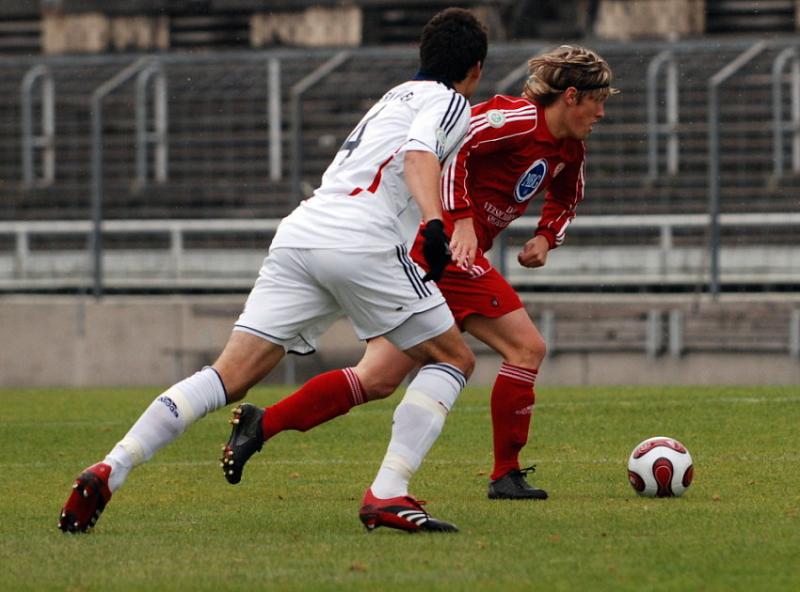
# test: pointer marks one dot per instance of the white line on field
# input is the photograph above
(474, 408)
(785, 458)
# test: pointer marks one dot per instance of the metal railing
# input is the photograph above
(296, 109)
(97, 165)
(152, 145)
(45, 141)
(789, 56)
(665, 59)
(714, 157)
(158, 137)
(170, 264)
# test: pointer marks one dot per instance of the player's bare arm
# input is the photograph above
(464, 242)
(534, 252)
(421, 170)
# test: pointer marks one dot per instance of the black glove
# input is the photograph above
(435, 249)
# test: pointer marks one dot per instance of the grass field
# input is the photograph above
(292, 523)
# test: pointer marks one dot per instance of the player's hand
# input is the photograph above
(435, 249)
(534, 253)
(464, 244)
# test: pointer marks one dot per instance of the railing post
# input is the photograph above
(160, 123)
(788, 55)
(548, 328)
(31, 141)
(676, 340)
(794, 334)
(21, 253)
(275, 120)
(665, 246)
(176, 249)
(96, 242)
(713, 157)
(655, 333)
(670, 127)
(295, 100)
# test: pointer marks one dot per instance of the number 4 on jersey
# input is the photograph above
(354, 139)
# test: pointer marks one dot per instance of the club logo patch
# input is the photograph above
(496, 118)
(441, 141)
(530, 181)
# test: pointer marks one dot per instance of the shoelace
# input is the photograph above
(528, 470)
(418, 503)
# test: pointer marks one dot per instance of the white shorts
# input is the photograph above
(299, 293)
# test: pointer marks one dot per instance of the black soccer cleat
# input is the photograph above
(403, 513)
(513, 485)
(87, 500)
(247, 438)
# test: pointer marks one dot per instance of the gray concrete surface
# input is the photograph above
(71, 341)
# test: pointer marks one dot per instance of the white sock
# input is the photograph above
(164, 420)
(418, 421)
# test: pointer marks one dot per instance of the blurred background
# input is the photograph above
(149, 148)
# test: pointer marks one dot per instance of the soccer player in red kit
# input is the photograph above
(517, 150)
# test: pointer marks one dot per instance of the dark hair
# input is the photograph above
(452, 42)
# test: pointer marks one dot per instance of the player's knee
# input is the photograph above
(379, 387)
(465, 361)
(529, 354)
(535, 351)
(235, 388)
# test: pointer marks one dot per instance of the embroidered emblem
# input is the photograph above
(496, 118)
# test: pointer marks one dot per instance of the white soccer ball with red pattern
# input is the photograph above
(660, 467)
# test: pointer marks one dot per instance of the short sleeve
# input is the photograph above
(440, 125)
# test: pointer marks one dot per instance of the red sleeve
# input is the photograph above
(496, 125)
(561, 201)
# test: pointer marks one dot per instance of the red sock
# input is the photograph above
(319, 400)
(512, 406)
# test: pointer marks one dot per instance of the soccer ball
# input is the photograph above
(660, 467)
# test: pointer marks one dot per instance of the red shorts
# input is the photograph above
(489, 295)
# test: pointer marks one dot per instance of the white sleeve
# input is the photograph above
(440, 126)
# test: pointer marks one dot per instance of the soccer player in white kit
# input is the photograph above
(344, 252)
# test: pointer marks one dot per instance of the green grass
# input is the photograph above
(292, 523)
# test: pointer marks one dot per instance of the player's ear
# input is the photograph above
(571, 96)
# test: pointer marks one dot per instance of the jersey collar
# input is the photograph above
(422, 75)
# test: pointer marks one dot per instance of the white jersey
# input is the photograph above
(363, 202)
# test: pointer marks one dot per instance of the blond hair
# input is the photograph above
(553, 72)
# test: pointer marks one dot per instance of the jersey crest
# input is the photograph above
(496, 118)
(530, 181)
(441, 140)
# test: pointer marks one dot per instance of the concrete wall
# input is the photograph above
(624, 20)
(78, 342)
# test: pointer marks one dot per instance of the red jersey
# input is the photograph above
(507, 157)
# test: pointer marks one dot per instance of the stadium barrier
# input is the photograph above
(639, 253)
(79, 341)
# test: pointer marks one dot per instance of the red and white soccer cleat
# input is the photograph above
(403, 513)
(90, 494)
